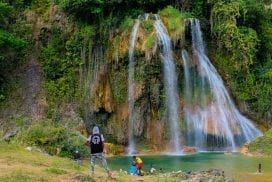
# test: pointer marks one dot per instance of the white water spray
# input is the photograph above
(213, 121)
(170, 81)
(131, 143)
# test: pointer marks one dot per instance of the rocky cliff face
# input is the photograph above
(108, 105)
(111, 109)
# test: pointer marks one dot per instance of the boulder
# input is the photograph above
(10, 134)
(244, 149)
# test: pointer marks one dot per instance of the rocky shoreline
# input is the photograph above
(211, 175)
(208, 175)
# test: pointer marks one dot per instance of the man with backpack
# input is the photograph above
(96, 143)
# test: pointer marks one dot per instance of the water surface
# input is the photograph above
(236, 166)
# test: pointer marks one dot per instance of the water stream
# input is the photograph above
(213, 121)
(131, 143)
(170, 82)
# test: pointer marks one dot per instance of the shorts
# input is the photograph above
(140, 165)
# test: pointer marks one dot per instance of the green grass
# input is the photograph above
(19, 164)
(52, 170)
(20, 175)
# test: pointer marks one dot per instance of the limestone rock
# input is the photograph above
(244, 149)
(189, 149)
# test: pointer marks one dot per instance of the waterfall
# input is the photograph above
(170, 81)
(146, 16)
(131, 143)
(213, 121)
(188, 89)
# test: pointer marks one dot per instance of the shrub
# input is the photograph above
(173, 20)
(262, 145)
(119, 85)
(54, 139)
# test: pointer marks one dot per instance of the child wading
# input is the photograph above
(96, 143)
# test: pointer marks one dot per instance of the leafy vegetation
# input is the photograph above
(174, 21)
(55, 139)
(11, 47)
(262, 145)
(119, 85)
(240, 29)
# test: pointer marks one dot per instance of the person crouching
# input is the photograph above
(139, 164)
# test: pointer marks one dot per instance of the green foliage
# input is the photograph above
(118, 46)
(39, 6)
(126, 25)
(12, 47)
(148, 26)
(119, 85)
(5, 11)
(61, 60)
(198, 7)
(9, 40)
(55, 139)
(82, 7)
(51, 65)
(150, 41)
(245, 46)
(173, 19)
(95, 9)
(239, 42)
(262, 145)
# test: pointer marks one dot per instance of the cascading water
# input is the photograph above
(188, 90)
(213, 121)
(170, 81)
(131, 144)
(92, 61)
(146, 16)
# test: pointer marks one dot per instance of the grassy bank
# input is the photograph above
(262, 145)
(19, 164)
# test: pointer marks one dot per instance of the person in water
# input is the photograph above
(96, 143)
(139, 165)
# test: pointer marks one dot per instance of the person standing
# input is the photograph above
(96, 143)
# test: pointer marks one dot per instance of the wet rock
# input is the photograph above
(114, 149)
(209, 175)
(189, 149)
